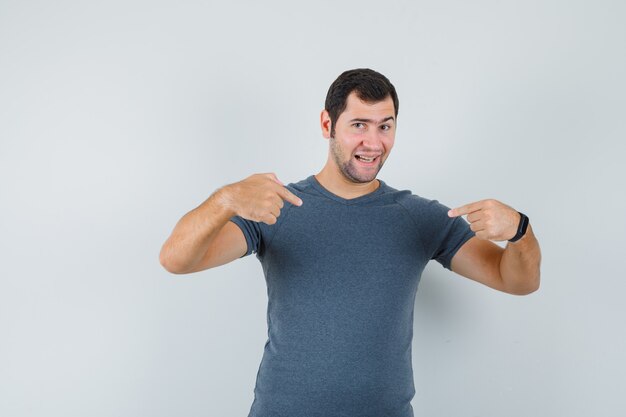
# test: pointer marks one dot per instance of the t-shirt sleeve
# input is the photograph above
(259, 235)
(444, 235)
(251, 230)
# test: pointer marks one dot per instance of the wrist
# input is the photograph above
(524, 239)
(521, 228)
(224, 198)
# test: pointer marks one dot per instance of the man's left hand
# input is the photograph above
(490, 219)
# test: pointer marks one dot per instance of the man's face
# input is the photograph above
(362, 132)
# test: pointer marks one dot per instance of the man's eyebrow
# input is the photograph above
(372, 121)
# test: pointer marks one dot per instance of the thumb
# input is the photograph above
(275, 178)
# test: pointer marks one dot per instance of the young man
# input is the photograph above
(342, 254)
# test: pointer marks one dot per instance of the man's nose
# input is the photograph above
(373, 140)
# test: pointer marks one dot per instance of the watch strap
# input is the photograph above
(521, 228)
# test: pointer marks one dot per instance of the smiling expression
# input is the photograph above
(364, 136)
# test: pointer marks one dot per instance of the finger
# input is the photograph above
(474, 216)
(278, 201)
(466, 209)
(269, 218)
(477, 226)
(275, 210)
(289, 196)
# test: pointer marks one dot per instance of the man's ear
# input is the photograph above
(325, 123)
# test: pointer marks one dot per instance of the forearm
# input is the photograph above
(194, 232)
(520, 264)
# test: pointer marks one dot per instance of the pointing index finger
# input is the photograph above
(289, 196)
(466, 209)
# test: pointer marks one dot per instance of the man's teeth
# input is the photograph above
(362, 158)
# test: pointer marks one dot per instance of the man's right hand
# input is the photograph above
(205, 238)
(259, 197)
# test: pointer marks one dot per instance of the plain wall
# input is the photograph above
(117, 118)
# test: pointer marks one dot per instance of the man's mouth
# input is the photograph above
(367, 160)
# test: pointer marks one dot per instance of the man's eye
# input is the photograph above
(358, 125)
(385, 127)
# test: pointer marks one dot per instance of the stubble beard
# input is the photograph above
(348, 168)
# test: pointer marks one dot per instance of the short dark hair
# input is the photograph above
(370, 86)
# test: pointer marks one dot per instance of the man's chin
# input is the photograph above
(360, 178)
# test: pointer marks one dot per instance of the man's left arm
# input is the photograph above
(515, 269)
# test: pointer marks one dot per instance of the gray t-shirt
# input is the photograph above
(341, 277)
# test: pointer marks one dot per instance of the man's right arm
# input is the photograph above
(205, 238)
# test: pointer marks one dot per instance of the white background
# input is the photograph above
(118, 117)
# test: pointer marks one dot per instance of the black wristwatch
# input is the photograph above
(521, 228)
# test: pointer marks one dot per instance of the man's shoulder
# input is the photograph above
(417, 205)
(406, 196)
(303, 185)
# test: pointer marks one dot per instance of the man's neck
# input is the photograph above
(337, 184)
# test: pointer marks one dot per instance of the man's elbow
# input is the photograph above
(169, 265)
(529, 287)
(174, 270)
